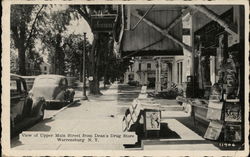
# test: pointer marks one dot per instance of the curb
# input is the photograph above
(52, 116)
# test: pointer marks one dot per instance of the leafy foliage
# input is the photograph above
(22, 25)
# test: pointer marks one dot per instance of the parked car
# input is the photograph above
(24, 109)
(54, 88)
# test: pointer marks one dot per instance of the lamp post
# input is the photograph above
(83, 69)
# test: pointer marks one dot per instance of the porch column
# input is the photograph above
(169, 74)
(159, 74)
(156, 76)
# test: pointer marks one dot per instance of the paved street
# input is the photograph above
(105, 113)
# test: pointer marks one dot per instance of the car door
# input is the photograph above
(64, 88)
(61, 92)
(18, 99)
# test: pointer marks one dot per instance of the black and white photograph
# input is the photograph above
(125, 77)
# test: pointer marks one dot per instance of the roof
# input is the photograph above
(145, 40)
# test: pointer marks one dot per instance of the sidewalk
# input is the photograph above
(105, 113)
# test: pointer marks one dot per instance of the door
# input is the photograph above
(18, 98)
(62, 89)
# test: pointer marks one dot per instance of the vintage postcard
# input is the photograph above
(125, 78)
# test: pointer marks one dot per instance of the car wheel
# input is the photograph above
(27, 109)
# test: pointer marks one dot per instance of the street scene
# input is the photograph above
(128, 77)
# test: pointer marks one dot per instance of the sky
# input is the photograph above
(79, 27)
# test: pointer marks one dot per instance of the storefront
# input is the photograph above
(217, 86)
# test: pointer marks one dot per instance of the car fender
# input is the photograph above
(60, 95)
(38, 104)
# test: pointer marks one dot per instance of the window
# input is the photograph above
(139, 66)
(149, 66)
(45, 68)
(179, 72)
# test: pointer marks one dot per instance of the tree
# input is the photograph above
(73, 48)
(52, 37)
(99, 43)
(23, 19)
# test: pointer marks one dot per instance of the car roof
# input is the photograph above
(26, 77)
(50, 76)
(15, 76)
(56, 77)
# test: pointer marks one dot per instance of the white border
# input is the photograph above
(6, 71)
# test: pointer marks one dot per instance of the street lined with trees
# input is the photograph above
(39, 33)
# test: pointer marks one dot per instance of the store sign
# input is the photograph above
(213, 130)
(233, 112)
(103, 23)
(91, 78)
(153, 120)
(214, 110)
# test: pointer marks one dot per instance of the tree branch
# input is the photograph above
(33, 27)
(83, 13)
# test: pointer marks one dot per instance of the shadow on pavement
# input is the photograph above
(42, 126)
(126, 94)
(38, 127)
(74, 105)
(164, 133)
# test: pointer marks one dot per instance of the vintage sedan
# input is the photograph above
(54, 88)
(24, 110)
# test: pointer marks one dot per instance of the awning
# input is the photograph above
(150, 37)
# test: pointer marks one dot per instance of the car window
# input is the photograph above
(17, 87)
(13, 87)
(22, 87)
(64, 82)
(45, 81)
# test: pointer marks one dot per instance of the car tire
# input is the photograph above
(27, 109)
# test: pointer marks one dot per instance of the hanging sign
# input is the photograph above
(233, 112)
(214, 110)
(213, 130)
(103, 23)
(232, 133)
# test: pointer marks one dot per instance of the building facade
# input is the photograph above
(142, 71)
(45, 68)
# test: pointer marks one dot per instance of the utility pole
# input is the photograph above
(83, 69)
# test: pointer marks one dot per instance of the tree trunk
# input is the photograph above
(21, 59)
(93, 71)
(60, 55)
(21, 51)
